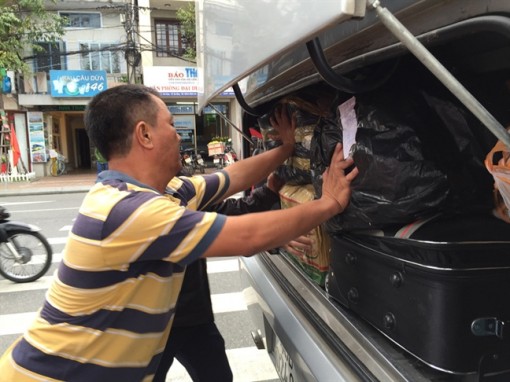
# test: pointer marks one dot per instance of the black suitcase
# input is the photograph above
(440, 289)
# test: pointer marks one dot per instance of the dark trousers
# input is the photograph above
(201, 350)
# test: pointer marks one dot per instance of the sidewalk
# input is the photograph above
(68, 183)
(79, 182)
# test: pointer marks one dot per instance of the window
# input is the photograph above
(100, 56)
(169, 38)
(50, 58)
(82, 20)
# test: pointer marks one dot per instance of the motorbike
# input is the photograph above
(192, 162)
(199, 163)
(25, 254)
(230, 156)
(187, 161)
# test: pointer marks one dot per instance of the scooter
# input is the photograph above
(25, 254)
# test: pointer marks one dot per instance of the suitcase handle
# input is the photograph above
(488, 326)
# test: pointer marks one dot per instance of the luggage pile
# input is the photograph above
(419, 253)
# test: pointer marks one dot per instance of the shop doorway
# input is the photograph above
(83, 148)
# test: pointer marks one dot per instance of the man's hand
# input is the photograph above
(335, 184)
(275, 183)
(285, 126)
(301, 245)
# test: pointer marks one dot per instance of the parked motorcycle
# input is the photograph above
(187, 161)
(230, 156)
(25, 254)
(192, 162)
(199, 163)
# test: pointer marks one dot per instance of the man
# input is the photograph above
(195, 340)
(109, 309)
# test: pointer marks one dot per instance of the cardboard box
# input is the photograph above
(315, 263)
(216, 148)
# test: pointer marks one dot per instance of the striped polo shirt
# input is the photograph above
(109, 309)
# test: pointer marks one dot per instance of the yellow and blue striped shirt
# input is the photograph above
(109, 310)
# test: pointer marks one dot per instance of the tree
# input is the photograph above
(186, 17)
(23, 23)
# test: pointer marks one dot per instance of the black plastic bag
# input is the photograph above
(396, 183)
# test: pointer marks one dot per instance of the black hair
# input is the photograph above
(111, 115)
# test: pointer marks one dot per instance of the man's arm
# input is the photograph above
(252, 233)
(261, 199)
(245, 173)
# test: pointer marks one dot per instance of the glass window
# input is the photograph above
(82, 20)
(169, 38)
(50, 57)
(100, 56)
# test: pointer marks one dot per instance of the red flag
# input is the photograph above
(16, 153)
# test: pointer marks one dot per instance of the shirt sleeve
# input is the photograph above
(198, 192)
(260, 199)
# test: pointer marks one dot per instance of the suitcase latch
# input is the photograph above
(488, 326)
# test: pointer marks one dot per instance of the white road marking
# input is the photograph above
(228, 302)
(248, 365)
(43, 210)
(15, 323)
(25, 203)
(218, 266)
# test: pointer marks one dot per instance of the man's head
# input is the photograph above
(134, 130)
(111, 116)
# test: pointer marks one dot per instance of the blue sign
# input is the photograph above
(77, 83)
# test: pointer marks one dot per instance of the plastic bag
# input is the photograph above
(396, 183)
(296, 170)
(498, 164)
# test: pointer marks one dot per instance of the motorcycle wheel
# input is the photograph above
(202, 169)
(36, 255)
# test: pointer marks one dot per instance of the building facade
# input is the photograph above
(107, 43)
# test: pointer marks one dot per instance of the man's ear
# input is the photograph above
(143, 134)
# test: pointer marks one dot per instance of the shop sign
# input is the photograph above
(172, 80)
(182, 109)
(71, 107)
(77, 83)
(175, 81)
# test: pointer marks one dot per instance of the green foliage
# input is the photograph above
(22, 24)
(220, 139)
(186, 17)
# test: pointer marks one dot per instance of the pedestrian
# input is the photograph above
(109, 309)
(101, 162)
(196, 341)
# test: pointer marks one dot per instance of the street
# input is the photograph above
(55, 214)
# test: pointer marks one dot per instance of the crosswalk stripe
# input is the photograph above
(57, 240)
(247, 364)
(218, 266)
(228, 302)
(15, 323)
(7, 286)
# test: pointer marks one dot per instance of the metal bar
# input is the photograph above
(245, 136)
(428, 59)
(239, 96)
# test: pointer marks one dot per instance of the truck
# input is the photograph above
(268, 50)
